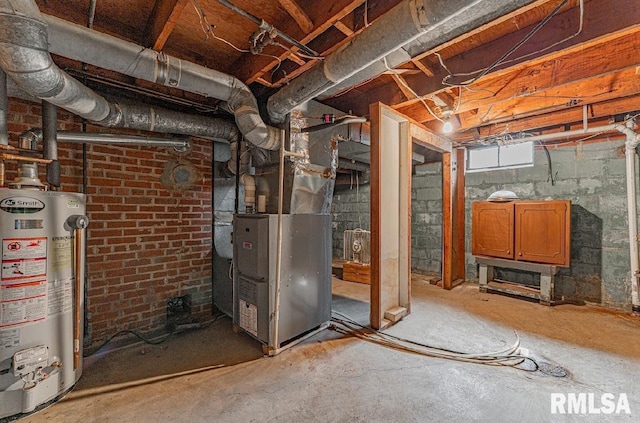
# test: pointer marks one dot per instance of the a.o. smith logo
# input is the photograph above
(21, 205)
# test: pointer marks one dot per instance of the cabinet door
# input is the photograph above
(543, 232)
(492, 229)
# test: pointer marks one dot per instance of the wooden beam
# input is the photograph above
(331, 41)
(407, 92)
(602, 18)
(250, 68)
(544, 74)
(595, 111)
(163, 20)
(298, 14)
(447, 221)
(601, 88)
(424, 68)
(375, 193)
(458, 209)
(428, 139)
(340, 26)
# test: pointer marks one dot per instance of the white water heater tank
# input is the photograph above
(41, 317)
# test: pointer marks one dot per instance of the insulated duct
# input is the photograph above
(102, 50)
(4, 107)
(24, 56)
(410, 28)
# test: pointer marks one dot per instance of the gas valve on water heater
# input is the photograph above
(41, 293)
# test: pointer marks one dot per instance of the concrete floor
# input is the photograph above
(331, 378)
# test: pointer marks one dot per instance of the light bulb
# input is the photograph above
(447, 128)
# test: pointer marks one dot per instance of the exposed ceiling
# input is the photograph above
(585, 61)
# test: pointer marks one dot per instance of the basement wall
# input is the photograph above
(145, 242)
(591, 175)
(426, 223)
(350, 210)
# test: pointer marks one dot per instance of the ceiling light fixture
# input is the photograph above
(447, 126)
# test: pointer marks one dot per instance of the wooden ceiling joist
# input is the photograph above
(538, 79)
(298, 14)
(600, 110)
(163, 20)
(602, 19)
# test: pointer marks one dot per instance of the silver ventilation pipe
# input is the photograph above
(475, 15)
(24, 56)
(4, 109)
(415, 24)
(108, 52)
(50, 142)
(34, 136)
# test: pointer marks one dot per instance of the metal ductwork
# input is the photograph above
(410, 28)
(34, 136)
(24, 56)
(102, 50)
(4, 108)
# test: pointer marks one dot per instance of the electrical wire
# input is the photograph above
(550, 176)
(502, 59)
(404, 83)
(508, 356)
(150, 341)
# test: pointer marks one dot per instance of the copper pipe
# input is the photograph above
(77, 312)
(7, 156)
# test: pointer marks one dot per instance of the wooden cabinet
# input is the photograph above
(492, 229)
(532, 231)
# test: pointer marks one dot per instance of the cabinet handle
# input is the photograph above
(520, 254)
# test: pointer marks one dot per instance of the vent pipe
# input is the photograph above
(4, 109)
(50, 142)
(25, 57)
(34, 136)
(416, 23)
(473, 16)
(108, 52)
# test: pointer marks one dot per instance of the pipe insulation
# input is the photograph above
(24, 56)
(412, 24)
(4, 108)
(466, 19)
(79, 43)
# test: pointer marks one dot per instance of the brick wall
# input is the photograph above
(145, 242)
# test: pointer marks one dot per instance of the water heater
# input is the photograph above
(41, 293)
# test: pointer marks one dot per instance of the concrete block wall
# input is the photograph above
(592, 176)
(426, 218)
(426, 224)
(350, 210)
(145, 242)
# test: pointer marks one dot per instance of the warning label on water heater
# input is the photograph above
(23, 284)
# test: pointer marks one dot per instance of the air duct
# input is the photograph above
(4, 107)
(102, 50)
(34, 136)
(410, 28)
(24, 56)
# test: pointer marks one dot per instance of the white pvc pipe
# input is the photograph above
(630, 154)
(275, 344)
(577, 132)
